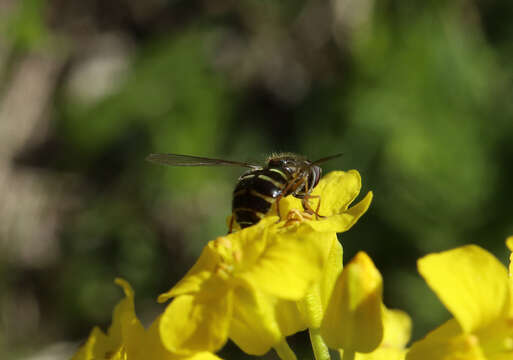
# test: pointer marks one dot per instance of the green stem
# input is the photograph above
(319, 347)
(284, 351)
(348, 355)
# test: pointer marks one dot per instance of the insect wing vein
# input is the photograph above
(189, 160)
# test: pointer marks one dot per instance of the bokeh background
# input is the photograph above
(417, 95)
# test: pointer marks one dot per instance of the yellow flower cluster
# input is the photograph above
(127, 339)
(281, 276)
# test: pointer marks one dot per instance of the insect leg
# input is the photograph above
(309, 209)
(283, 193)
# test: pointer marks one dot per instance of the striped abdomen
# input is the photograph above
(255, 193)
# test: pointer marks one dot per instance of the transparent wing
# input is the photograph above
(188, 160)
(324, 159)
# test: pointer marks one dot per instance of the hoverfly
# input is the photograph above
(262, 185)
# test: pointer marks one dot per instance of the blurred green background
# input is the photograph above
(417, 95)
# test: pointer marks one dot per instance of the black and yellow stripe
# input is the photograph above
(255, 194)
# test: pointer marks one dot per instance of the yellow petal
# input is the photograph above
(342, 221)
(97, 346)
(287, 264)
(288, 317)
(201, 271)
(397, 329)
(471, 283)
(380, 354)
(124, 308)
(254, 327)
(204, 355)
(126, 327)
(447, 342)
(353, 319)
(216, 255)
(125, 335)
(288, 204)
(120, 354)
(337, 189)
(154, 348)
(332, 269)
(199, 322)
(311, 308)
(315, 301)
(126, 322)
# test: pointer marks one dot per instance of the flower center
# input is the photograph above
(297, 216)
(229, 256)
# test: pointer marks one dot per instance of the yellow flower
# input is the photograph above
(245, 285)
(337, 190)
(233, 288)
(475, 288)
(356, 319)
(124, 336)
(353, 318)
(127, 339)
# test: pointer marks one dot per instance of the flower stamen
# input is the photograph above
(297, 216)
(229, 256)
